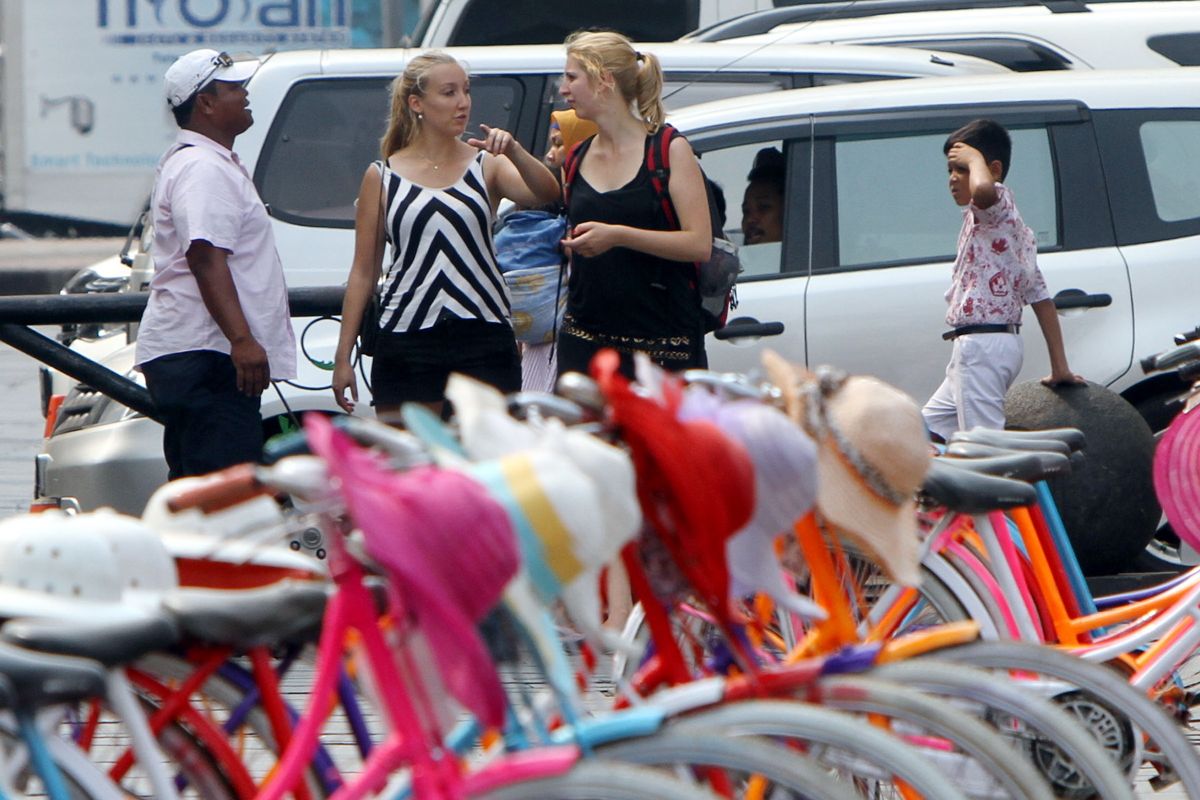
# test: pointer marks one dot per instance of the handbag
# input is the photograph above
(368, 328)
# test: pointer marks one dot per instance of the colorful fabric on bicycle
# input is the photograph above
(594, 539)
(488, 431)
(695, 485)
(873, 453)
(785, 488)
(1177, 476)
(449, 550)
(521, 482)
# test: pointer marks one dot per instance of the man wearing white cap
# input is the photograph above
(217, 326)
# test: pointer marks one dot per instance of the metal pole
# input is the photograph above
(19, 312)
(66, 360)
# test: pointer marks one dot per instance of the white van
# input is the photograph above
(499, 22)
(1025, 37)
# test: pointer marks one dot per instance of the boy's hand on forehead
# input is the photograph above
(962, 154)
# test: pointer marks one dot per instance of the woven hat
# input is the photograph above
(873, 453)
(449, 549)
(785, 488)
(1177, 476)
(695, 484)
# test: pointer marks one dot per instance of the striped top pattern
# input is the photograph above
(445, 260)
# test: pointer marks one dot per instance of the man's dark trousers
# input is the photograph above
(208, 424)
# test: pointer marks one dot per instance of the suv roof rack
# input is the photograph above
(758, 22)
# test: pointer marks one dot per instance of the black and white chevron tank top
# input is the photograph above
(442, 254)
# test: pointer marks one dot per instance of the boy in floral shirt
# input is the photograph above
(995, 276)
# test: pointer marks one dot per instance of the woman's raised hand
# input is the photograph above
(496, 141)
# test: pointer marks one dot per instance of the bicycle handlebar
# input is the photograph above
(1171, 358)
(225, 489)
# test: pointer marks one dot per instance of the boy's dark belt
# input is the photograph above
(967, 329)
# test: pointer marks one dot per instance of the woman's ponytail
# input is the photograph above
(648, 94)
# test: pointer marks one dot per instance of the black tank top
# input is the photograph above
(624, 292)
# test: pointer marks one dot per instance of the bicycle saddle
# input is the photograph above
(112, 642)
(973, 450)
(280, 613)
(33, 680)
(1027, 466)
(973, 492)
(1006, 439)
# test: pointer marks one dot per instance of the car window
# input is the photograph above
(754, 209)
(540, 22)
(1172, 150)
(893, 204)
(683, 89)
(1182, 48)
(326, 133)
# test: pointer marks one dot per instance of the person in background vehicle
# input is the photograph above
(762, 203)
(444, 306)
(632, 274)
(995, 276)
(217, 326)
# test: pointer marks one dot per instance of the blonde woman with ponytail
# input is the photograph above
(443, 306)
(632, 284)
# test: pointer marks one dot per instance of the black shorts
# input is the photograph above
(414, 366)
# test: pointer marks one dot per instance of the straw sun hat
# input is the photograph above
(873, 453)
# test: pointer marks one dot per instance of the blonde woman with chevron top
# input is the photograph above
(443, 305)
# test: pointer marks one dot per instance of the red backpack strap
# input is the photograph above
(571, 168)
(658, 164)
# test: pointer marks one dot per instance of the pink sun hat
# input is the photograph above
(1177, 476)
(449, 550)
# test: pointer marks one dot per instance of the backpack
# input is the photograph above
(716, 277)
(529, 256)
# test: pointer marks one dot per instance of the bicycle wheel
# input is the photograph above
(600, 779)
(771, 770)
(84, 779)
(1073, 762)
(965, 749)
(253, 740)
(864, 756)
(1116, 713)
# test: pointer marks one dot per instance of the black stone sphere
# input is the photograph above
(1108, 505)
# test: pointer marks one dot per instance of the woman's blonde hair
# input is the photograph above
(402, 122)
(637, 76)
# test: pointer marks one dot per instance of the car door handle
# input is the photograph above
(743, 327)
(1077, 298)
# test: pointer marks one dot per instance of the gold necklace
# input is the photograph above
(436, 165)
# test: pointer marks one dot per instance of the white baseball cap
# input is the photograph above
(192, 72)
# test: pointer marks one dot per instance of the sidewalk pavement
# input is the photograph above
(42, 266)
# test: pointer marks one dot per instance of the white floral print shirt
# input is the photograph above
(996, 272)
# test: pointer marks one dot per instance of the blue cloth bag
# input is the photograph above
(529, 255)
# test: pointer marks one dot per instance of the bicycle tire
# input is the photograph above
(1070, 759)
(985, 757)
(836, 740)
(1103, 687)
(226, 694)
(84, 779)
(790, 774)
(600, 779)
